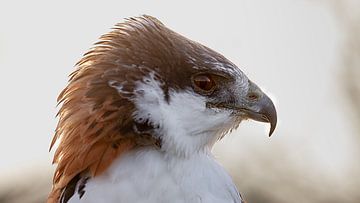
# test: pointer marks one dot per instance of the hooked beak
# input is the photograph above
(259, 107)
(256, 106)
(263, 111)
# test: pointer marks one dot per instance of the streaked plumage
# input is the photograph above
(140, 115)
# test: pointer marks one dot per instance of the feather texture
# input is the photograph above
(130, 86)
(95, 120)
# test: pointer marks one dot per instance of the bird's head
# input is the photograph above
(143, 84)
(184, 94)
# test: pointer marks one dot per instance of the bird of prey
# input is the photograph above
(140, 115)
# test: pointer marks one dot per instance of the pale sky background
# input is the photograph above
(290, 48)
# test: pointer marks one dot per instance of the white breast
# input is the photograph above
(149, 175)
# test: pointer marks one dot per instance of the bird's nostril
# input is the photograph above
(253, 96)
(264, 117)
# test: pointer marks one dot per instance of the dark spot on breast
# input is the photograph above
(81, 188)
(78, 182)
(69, 190)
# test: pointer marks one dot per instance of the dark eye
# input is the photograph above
(204, 82)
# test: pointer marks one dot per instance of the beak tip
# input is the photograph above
(272, 127)
(270, 133)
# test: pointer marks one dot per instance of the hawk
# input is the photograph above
(140, 115)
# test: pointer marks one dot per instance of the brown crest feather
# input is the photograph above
(95, 121)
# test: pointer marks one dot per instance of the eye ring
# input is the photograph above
(204, 83)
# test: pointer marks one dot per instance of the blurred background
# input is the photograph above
(304, 53)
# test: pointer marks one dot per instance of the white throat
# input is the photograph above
(186, 125)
